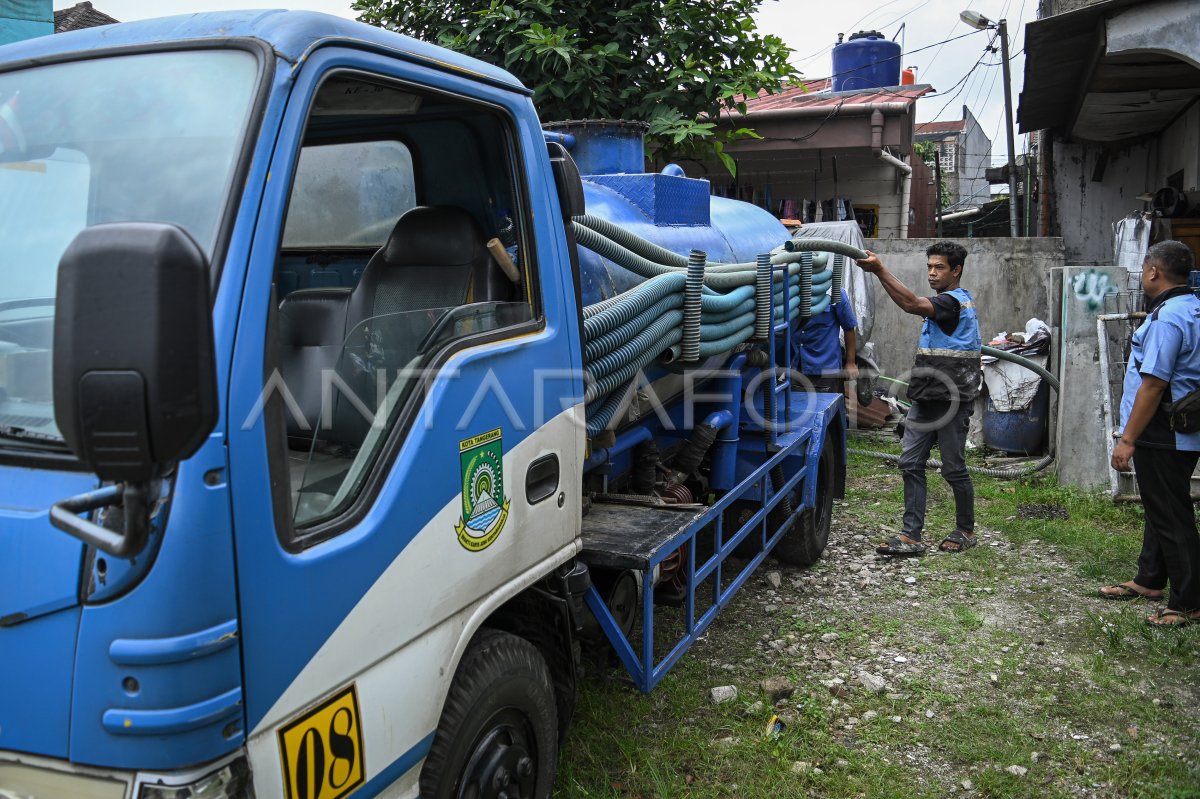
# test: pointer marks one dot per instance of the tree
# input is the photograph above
(672, 63)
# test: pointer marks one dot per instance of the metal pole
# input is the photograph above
(937, 190)
(1013, 217)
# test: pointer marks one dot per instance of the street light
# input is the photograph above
(980, 22)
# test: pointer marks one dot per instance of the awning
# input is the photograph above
(1112, 71)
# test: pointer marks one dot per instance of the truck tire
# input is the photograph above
(803, 544)
(498, 735)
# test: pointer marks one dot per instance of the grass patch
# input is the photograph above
(1011, 660)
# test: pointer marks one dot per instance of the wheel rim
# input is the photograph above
(503, 760)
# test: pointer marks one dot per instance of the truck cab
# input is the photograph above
(385, 432)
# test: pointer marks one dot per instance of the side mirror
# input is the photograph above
(566, 180)
(135, 387)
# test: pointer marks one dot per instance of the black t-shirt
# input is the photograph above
(946, 309)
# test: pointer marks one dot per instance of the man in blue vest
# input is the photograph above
(1164, 368)
(943, 388)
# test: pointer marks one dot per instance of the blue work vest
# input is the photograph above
(948, 366)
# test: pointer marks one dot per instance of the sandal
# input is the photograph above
(961, 542)
(1172, 618)
(1126, 591)
(901, 546)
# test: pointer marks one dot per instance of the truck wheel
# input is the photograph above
(804, 543)
(498, 735)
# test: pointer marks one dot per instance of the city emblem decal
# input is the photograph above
(485, 508)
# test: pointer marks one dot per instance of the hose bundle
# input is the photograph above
(689, 308)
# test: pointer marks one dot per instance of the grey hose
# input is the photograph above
(1012, 472)
(1004, 355)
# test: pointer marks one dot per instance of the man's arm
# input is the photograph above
(1145, 403)
(851, 349)
(900, 293)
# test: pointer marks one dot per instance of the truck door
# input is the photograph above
(405, 439)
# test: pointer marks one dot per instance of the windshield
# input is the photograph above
(139, 138)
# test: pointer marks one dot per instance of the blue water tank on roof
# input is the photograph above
(866, 61)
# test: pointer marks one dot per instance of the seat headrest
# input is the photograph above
(434, 234)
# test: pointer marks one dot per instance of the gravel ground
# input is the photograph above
(895, 655)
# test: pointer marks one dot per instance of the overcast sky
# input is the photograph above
(810, 27)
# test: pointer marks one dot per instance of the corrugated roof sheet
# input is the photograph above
(948, 126)
(816, 94)
(79, 16)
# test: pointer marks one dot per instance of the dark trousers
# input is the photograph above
(1170, 544)
(927, 422)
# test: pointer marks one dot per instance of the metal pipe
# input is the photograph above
(958, 215)
(822, 112)
(624, 443)
(724, 459)
(904, 167)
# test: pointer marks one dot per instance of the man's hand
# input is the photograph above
(1122, 456)
(851, 371)
(871, 263)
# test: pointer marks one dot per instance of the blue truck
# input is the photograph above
(342, 405)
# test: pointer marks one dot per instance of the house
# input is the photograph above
(827, 155)
(78, 16)
(964, 154)
(1112, 91)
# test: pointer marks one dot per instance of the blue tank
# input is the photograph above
(866, 61)
(669, 209)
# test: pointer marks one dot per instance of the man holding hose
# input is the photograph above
(943, 388)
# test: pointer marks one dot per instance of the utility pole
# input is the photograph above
(980, 22)
(937, 190)
(1013, 213)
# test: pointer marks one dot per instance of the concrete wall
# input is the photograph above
(1085, 209)
(1080, 443)
(974, 157)
(1009, 279)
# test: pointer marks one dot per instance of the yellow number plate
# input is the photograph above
(322, 751)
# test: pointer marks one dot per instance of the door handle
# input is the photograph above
(541, 481)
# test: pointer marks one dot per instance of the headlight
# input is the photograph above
(231, 781)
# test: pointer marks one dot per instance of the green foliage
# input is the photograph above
(672, 63)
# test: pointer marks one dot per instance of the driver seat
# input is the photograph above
(433, 258)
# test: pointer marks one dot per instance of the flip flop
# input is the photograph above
(1177, 618)
(899, 546)
(1127, 593)
(960, 538)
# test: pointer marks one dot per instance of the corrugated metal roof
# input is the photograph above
(816, 94)
(948, 126)
(80, 16)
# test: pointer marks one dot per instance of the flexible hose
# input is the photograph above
(595, 347)
(1004, 355)
(762, 297)
(839, 268)
(1012, 472)
(806, 275)
(691, 305)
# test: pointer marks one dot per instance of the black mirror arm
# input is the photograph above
(134, 498)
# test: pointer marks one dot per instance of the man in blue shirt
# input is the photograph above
(1164, 367)
(817, 348)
